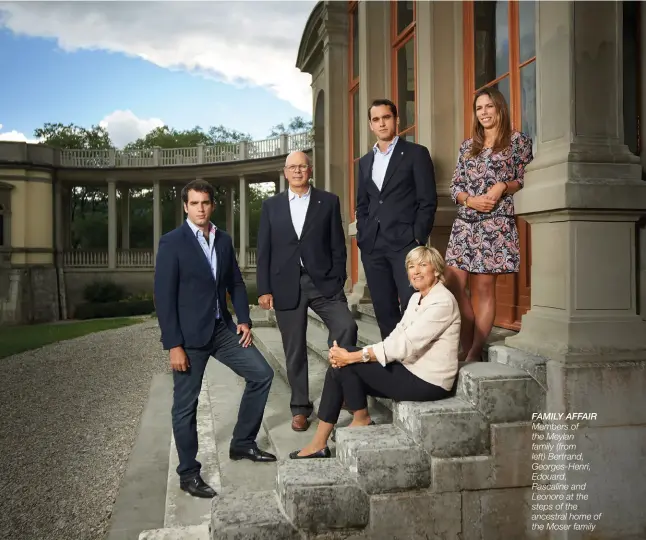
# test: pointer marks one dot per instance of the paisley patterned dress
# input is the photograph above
(487, 243)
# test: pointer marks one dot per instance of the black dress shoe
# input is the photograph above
(198, 488)
(325, 453)
(254, 454)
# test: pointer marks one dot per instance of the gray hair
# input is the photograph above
(307, 158)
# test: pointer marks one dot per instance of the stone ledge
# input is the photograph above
(535, 366)
(447, 428)
(250, 515)
(383, 459)
(500, 392)
(320, 495)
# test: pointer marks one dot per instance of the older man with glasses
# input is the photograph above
(301, 264)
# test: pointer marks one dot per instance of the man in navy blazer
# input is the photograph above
(195, 268)
(396, 203)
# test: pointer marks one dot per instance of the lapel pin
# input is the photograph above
(402, 153)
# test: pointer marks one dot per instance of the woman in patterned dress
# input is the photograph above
(484, 239)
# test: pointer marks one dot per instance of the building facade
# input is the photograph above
(572, 75)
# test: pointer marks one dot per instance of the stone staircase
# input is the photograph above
(459, 468)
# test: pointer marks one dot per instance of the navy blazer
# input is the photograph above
(404, 210)
(321, 247)
(186, 293)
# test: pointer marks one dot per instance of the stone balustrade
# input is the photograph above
(126, 258)
(198, 155)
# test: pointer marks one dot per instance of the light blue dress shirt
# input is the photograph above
(381, 161)
(208, 247)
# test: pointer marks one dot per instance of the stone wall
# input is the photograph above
(31, 296)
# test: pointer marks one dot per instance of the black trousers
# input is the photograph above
(388, 283)
(250, 364)
(292, 324)
(354, 383)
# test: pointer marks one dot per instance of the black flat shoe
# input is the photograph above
(253, 454)
(197, 488)
(325, 453)
(333, 436)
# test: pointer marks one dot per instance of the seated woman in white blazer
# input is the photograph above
(418, 361)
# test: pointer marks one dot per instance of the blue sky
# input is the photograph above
(134, 77)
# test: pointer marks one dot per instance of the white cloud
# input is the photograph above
(246, 43)
(15, 136)
(125, 127)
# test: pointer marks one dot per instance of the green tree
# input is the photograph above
(72, 137)
(88, 231)
(296, 125)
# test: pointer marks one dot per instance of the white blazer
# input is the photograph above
(426, 339)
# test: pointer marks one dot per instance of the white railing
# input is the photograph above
(86, 259)
(135, 258)
(126, 258)
(251, 257)
(197, 155)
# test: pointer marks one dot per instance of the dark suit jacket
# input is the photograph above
(404, 209)
(186, 293)
(321, 246)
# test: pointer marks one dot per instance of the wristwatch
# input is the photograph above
(365, 355)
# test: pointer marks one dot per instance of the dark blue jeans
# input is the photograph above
(250, 364)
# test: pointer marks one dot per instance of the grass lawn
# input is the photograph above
(16, 339)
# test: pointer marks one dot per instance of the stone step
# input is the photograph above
(277, 421)
(366, 312)
(500, 392)
(269, 342)
(447, 428)
(252, 516)
(183, 510)
(535, 366)
(383, 459)
(319, 495)
(191, 532)
(508, 465)
(225, 390)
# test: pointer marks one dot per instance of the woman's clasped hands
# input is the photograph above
(338, 356)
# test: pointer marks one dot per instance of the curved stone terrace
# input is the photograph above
(233, 166)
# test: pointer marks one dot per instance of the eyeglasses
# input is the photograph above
(294, 168)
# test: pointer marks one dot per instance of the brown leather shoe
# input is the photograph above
(300, 422)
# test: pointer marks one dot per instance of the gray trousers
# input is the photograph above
(292, 324)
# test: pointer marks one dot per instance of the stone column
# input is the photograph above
(440, 109)
(374, 81)
(281, 182)
(112, 223)
(125, 217)
(179, 206)
(59, 221)
(230, 213)
(582, 196)
(157, 225)
(244, 223)
(67, 217)
(335, 58)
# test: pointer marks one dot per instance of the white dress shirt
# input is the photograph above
(426, 339)
(298, 209)
(208, 247)
(381, 161)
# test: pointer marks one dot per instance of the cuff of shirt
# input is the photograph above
(380, 353)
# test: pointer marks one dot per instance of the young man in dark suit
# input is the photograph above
(195, 268)
(396, 203)
(302, 263)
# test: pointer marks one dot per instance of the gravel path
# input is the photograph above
(69, 414)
